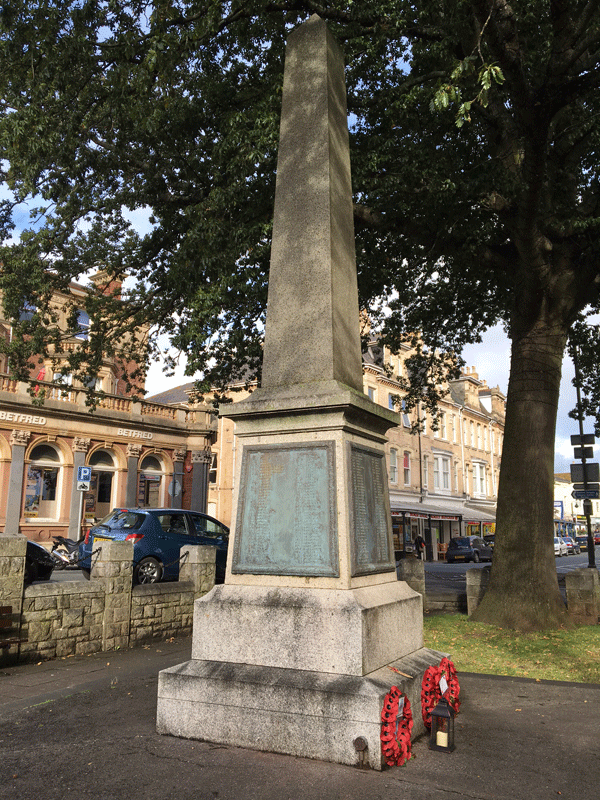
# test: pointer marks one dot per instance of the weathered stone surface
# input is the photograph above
(313, 301)
(313, 715)
(336, 631)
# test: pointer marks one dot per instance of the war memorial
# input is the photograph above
(297, 650)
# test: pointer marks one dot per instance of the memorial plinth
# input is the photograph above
(293, 653)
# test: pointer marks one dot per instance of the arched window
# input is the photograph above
(42, 487)
(98, 501)
(150, 482)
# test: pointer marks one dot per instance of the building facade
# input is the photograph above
(568, 510)
(443, 479)
(139, 453)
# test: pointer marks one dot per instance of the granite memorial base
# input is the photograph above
(297, 671)
(294, 712)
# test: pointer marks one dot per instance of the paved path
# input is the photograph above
(85, 727)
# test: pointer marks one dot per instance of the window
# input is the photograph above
(472, 426)
(150, 482)
(41, 490)
(94, 384)
(371, 393)
(479, 480)
(212, 472)
(441, 473)
(393, 466)
(83, 325)
(62, 383)
(173, 523)
(405, 417)
(406, 468)
(456, 476)
(454, 427)
(443, 432)
(98, 501)
(485, 438)
(425, 471)
(208, 527)
(479, 439)
(391, 404)
(28, 311)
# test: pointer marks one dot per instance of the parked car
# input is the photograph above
(38, 563)
(490, 538)
(597, 537)
(157, 534)
(560, 548)
(468, 548)
(573, 547)
(582, 541)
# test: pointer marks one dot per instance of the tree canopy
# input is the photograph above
(474, 146)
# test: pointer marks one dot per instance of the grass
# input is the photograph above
(565, 655)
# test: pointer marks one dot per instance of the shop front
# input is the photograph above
(139, 453)
(436, 526)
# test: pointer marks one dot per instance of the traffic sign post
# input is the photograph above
(84, 482)
(589, 473)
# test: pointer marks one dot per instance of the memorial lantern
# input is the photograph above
(442, 727)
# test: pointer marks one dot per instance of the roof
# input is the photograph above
(171, 397)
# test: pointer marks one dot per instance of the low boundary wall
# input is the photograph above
(59, 619)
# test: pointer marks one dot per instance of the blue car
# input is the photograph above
(157, 534)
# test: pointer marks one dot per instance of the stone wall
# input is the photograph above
(59, 619)
(477, 583)
(583, 595)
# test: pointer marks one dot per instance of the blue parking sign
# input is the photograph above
(84, 473)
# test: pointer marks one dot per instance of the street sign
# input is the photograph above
(587, 438)
(84, 474)
(592, 487)
(584, 452)
(582, 494)
(83, 486)
(592, 473)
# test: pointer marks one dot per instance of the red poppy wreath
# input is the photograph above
(432, 692)
(396, 728)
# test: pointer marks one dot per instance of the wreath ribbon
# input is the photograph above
(431, 692)
(396, 728)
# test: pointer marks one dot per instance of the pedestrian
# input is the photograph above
(419, 545)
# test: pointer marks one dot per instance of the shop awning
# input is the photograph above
(422, 511)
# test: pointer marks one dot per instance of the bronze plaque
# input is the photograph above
(287, 521)
(370, 521)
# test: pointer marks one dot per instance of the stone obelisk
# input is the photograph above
(291, 654)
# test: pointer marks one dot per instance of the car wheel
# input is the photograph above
(149, 570)
(475, 557)
(450, 560)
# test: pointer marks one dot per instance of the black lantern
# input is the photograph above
(442, 727)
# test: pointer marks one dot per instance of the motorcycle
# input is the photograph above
(65, 552)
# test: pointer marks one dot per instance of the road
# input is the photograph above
(443, 577)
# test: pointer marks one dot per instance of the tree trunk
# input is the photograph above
(523, 593)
